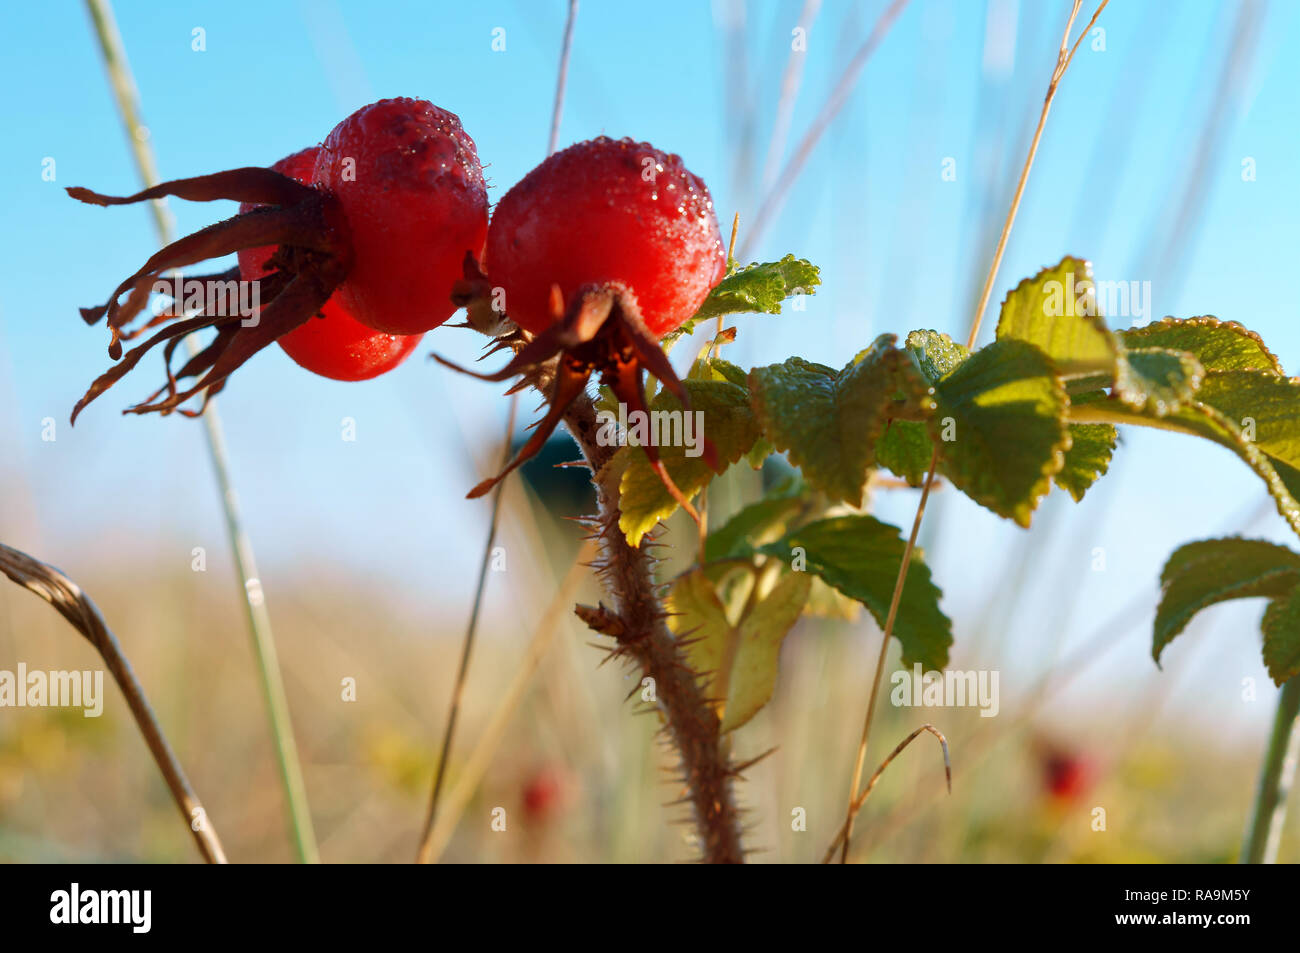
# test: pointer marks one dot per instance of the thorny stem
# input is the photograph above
(1063, 59)
(259, 620)
(1276, 775)
(636, 620)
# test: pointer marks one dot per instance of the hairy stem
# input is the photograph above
(1276, 775)
(636, 620)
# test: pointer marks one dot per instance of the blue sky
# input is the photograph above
(899, 246)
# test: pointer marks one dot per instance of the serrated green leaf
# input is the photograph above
(904, 449)
(1087, 459)
(936, 354)
(760, 288)
(828, 421)
(742, 660)
(696, 613)
(1281, 628)
(606, 402)
(1005, 410)
(860, 556)
(1211, 571)
(759, 452)
(1056, 310)
(756, 288)
(1266, 408)
(1228, 406)
(1157, 380)
(728, 422)
(758, 523)
(1218, 345)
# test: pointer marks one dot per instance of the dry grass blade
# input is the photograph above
(78, 608)
(843, 835)
(839, 96)
(1063, 60)
(790, 83)
(469, 778)
(885, 636)
(252, 595)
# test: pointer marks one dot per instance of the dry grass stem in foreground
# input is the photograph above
(78, 608)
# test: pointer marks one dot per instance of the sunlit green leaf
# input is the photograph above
(904, 449)
(740, 660)
(727, 421)
(1210, 571)
(756, 288)
(758, 523)
(1001, 427)
(1218, 345)
(1087, 459)
(1056, 310)
(860, 556)
(1157, 380)
(936, 354)
(1253, 413)
(1281, 627)
(828, 421)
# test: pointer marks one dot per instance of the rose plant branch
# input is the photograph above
(635, 619)
(1276, 776)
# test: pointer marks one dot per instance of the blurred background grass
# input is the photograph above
(369, 553)
(579, 777)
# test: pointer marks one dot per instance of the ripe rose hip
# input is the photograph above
(396, 202)
(412, 190)
(334, 344)
(607, 211)
(600, 251)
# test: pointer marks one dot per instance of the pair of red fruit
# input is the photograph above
(361, 245)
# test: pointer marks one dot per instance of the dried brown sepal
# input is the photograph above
(313, 257)
(601, 331)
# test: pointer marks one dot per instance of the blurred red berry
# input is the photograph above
(544, 793)
(1067, 776)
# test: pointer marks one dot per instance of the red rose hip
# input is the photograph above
(335, 344)
(601, 250)
(411, 187)
(607, 211)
